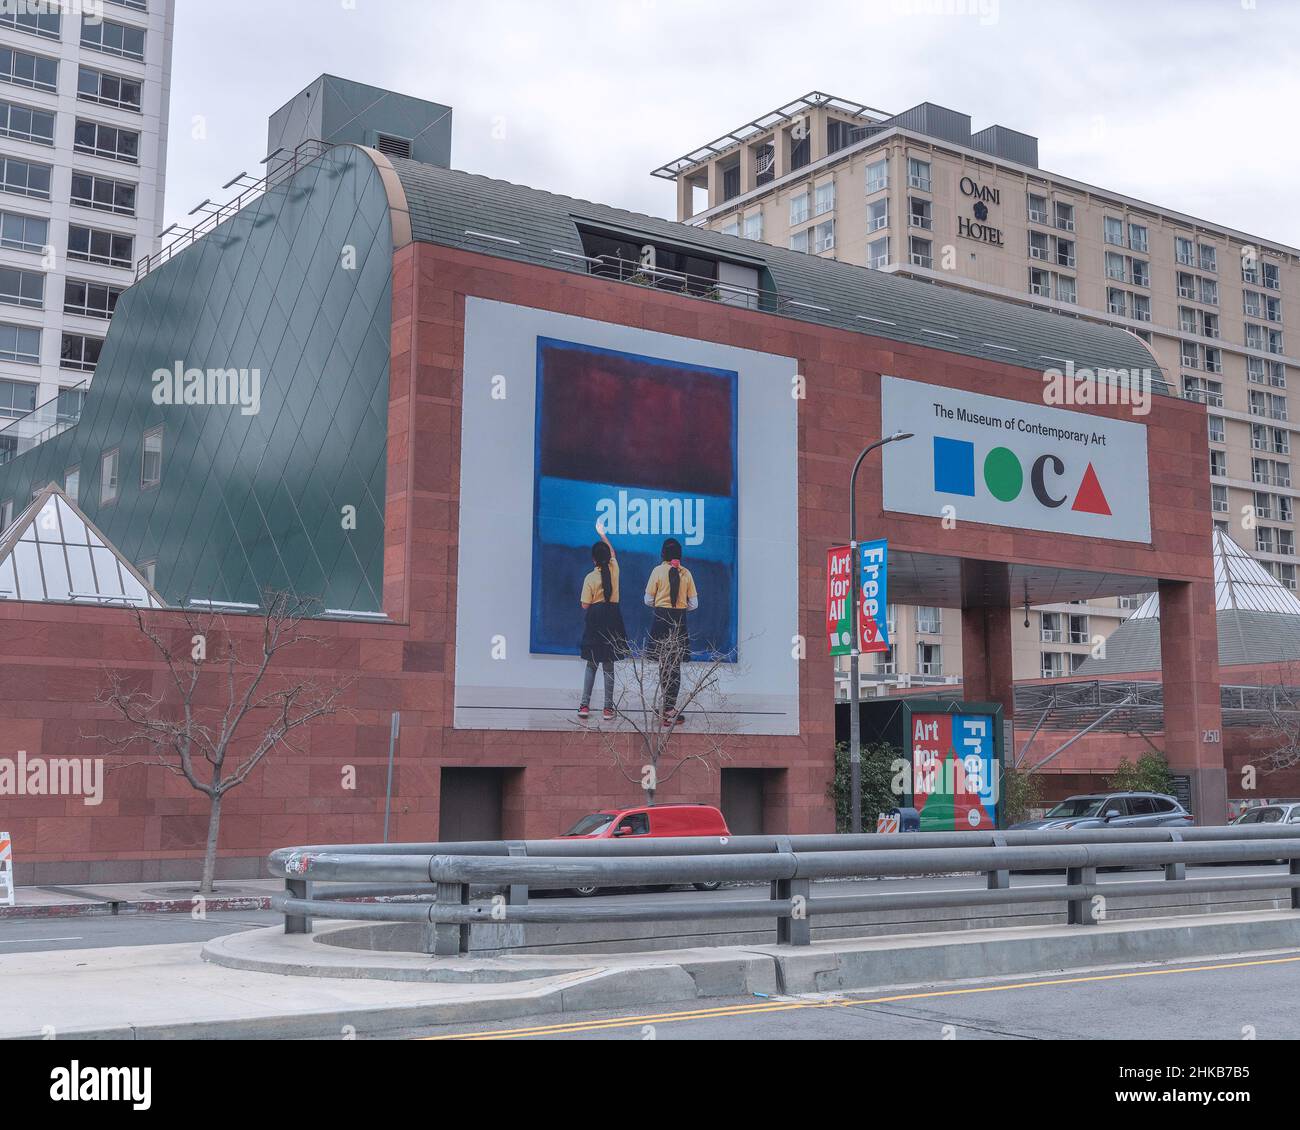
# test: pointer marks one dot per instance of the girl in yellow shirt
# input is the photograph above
(670, 594)
(604, 638)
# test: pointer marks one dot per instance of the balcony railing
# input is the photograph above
(42, 423)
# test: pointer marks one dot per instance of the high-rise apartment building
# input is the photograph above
(84, 90)
(918, 193)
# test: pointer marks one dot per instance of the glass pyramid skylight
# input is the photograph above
(1240, 583)
(53, 552)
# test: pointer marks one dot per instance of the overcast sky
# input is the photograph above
(1191, 104)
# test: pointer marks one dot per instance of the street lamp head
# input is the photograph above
(899, 435)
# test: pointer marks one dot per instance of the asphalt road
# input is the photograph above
(1251, 996)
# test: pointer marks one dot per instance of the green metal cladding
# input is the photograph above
(251, 502)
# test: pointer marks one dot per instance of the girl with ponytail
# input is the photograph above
(670, 594)
(603, 638)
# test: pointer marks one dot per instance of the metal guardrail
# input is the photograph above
(436, 878)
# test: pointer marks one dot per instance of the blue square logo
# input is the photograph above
(954, 466)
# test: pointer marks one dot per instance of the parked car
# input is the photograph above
(1112, 810)
(649, 822)
(1275, 812)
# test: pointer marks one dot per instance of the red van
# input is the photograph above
(647, 822)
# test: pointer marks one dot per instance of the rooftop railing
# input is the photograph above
(42, 423)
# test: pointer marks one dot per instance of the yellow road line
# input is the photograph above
(725, 1011)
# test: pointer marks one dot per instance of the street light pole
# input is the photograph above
(855, 723)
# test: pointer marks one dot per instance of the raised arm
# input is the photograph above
(600, 529)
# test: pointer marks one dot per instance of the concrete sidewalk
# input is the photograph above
(138, 898)
(170, 992)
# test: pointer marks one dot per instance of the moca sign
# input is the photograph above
(1003, 462)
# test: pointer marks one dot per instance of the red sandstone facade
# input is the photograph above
(53, 658)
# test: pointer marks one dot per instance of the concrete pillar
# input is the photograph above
(1189, 660)
(987, 674)
(685, 198)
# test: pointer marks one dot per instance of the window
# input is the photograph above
(825, 197)
(20, 343)
(824, 236)
(1190, 355)
(1184, 251)
(17, 399)
(1271, 275)
(24, 178)
(799, 208)
(1142, 307)
(1079, 631)
(151, 459)
(108, 477)
(24, 233)
(1066, 290)
(1141, 272)
(730, 177)
(929, 659)
(1252, 303)
(918, 174)
(31, 19)
(1276, 374)
(1038, 208)
(1114, 231)
(107, 141)
(108, 90)
(1064, 216)
(1255, 336)
(25, 124)
(1040, 282)
(1213, 360)
(1286, 574)
(754, 225)
(919, 213)
(1219, 498)
(1209, 290)
(1216, 429)
(1219, 464)
(93, 191)
(801, 240)
(113, 38)
(878, 214)
(1137, 237)
(878, 253)
(1038, 246)
(1115, 266)
(1053, 664)
(72, 483)
(22, 288)
(764, 163)
(1264, 539)
(1203, 390)
(1064, 252)
(1186, 285)
(919, 252)
(91, 300)
(731, 227)
(80, 352)
(91, 245)
(21, 68)
(929, 621)
(1117, 301)
(1209, 258)
(886, 664)
(1050, 629)
(1272, 308)
(878, 175)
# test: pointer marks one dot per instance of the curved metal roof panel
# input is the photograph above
(494, 217)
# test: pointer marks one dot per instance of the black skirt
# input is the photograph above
(604, 639)
(668, 628)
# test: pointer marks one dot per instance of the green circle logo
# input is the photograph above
(1003, 474)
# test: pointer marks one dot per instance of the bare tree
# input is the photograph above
(223, 709)
(644, 748)
(1280, 731)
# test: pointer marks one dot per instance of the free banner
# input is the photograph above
(873, 606)
(954, 772)
(646, 446)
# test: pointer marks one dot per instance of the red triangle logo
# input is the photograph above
(1091, 499)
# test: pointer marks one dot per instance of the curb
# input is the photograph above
(108, 907)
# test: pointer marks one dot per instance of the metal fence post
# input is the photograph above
(1295, 874)
(448, 939)
(1079, 911)
(794, 929)
(999, 880)
(517, 894)
(297, 923)
(1176, 870)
